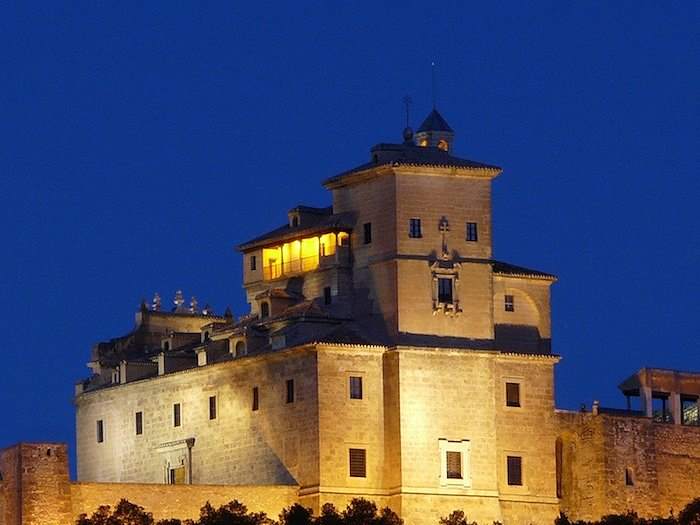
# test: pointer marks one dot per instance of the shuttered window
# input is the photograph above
(212, 407)
(515, 470)
(454, 465)
(356, 387)
(100, 431)
(139, 423)
(513, 394)
(358, 463)
(256, 398)
(177, 415)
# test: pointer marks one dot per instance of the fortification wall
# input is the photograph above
(612, 464)
(179, 501)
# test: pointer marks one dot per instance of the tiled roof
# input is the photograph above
(511, 269)
(339, 221)
(396, 155)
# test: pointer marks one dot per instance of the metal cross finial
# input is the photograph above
(407, 102)
(444, 227)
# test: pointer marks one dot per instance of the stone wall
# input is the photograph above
(601, 453)
(277, 444)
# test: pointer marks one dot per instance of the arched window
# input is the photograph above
(423, 143)
(166, 345)
(443, 145)
(240, 349)
(264, 310)
(205, 336)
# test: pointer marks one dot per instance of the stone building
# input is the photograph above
(387, 354)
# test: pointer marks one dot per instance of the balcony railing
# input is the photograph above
(277, 270)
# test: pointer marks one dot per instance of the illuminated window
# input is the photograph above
(100, 431)
(327, 295)
(177, 415)
(515, 470)
(212, 407)
(256, 398)
(139, 423)
(367, 232)
(509, 303)
(290, 390)
(472, 232)
(253, 262)
(343, 239)
(264, 310)
(355, 387)
(690, 411)
(423, 143)
(443, 145)
(513, 394)
(414, 229)
(358, 462)
(444, 290)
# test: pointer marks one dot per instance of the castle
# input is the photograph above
(387, 355)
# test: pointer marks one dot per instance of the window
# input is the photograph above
(177, 415)
(240, 348)
(454, 465)
(295, 221)
(444, 290)
(355, 387)
(212, 407)
(660, 408)
(368, 232)
(139, 423)
(629, 477)
(472, 233)
(690, 411)
(264, 310)
(327, 295)
(559, 465)
(414, 229)
(509, 303)
(443, 145)
(290, 390)
(515, 470)
(205, 336)
(358, 463)
(100, 431)
(166, 345)
(253, 262)
(256, 398)
(512, 394)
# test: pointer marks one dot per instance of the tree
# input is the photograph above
(329, 515)
(296, 515)
(457, 517)
(690, 515)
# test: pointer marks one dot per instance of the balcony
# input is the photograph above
(279, 269)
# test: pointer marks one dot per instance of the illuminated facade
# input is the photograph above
(386, 354)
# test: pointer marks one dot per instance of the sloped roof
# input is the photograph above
(435, 122)
(511, 269)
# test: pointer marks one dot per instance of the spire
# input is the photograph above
(435, 132)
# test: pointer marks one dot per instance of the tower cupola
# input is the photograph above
(435, 132)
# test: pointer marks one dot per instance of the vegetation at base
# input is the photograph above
(359, 512)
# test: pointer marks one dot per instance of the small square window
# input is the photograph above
(253, 262)
(256, 398)
(515, 470)
(509, 303)
(355, 387)
(444, 290)
(513, 394)
(139, 423)
(100, 431)
(414, 229)
(472, 233)
(177, 415)
(327, 298)
(290, 390)
(358, 462)
(367, 229)
(454, 465)
(212, 407)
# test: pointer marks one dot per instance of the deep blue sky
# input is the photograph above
(141, 144)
